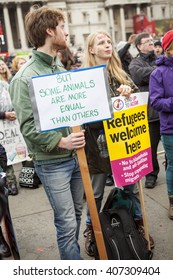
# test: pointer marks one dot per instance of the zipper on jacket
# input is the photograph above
(130, 237)
(53, 68)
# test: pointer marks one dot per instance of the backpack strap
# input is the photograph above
(112, 195)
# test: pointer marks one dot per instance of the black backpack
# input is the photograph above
(121, 237)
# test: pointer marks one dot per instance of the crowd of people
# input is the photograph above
(54, 152)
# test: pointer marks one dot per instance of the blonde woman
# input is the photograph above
(17, 63)
(7, 112)
(5, 72)
(100, 50)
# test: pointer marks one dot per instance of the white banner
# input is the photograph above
(70, 98)
(13, 142)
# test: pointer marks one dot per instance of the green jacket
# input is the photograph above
(42, 146)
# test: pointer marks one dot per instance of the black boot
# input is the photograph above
(4, 248)
(12, 189)
(90, 240)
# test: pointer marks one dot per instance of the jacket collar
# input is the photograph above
(148, 56)
(48, 59)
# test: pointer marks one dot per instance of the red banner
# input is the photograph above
(141, 24)
(3, 54)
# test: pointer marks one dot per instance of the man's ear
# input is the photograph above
(138, 47)
(91, 50)
(49, 31)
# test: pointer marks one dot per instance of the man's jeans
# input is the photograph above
(64, 188)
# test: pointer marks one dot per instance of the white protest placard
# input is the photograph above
(12, 140)
(70, 98)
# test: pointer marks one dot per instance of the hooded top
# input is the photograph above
(161, 92)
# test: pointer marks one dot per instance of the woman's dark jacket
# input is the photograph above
(97, 164)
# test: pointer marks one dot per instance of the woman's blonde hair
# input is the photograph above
(114, 66)
(6, 75)
(15, 62)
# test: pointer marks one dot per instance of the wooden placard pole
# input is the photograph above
(91, 200)
(141, 197)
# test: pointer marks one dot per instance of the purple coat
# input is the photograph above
(161, 92)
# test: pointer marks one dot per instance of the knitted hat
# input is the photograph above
(167, 39)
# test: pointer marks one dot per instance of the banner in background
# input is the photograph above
(13, 142)
(141, 24)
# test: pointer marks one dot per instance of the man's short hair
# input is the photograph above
(139, 37)
(38, 20)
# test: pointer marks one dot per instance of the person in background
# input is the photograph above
(123, 49)
(161, 97)
(53, 152)
(158, 50)
(17, 63)
(99, 50)
(78, 57)
(7, 112)
(4, 247)
(140, 69)
(5, 73)
(66, 58)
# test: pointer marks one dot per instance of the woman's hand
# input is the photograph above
(125, 90)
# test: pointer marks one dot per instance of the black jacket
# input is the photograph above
(125, 57)
(97, 164)
(140, 69)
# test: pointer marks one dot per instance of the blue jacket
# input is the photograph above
(161, 92)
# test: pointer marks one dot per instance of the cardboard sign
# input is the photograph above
(128, 139)
(70, 98)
